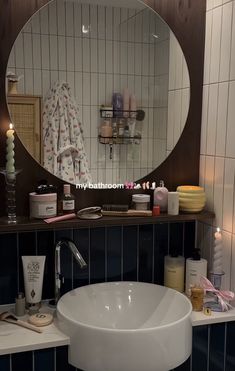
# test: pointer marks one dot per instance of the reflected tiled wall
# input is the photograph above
(217, 164)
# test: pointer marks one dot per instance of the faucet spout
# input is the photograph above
(79, 259)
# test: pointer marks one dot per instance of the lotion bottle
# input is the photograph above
(196, 267)
(160, 196)
(174, 272)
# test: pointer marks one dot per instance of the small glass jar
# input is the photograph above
(141, 202)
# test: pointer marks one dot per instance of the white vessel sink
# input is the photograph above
(128, 326)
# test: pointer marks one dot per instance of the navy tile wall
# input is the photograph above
(113, 253)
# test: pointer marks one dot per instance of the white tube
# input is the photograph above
(33, 267)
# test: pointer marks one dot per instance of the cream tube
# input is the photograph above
(33, 267)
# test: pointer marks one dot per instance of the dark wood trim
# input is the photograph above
(187, 20)
(24, 224)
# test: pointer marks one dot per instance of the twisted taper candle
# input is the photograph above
(10, 153)
(218, 253)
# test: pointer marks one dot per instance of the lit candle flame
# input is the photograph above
(218, 229)
(11, 126)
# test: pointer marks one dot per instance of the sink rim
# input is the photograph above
(131, 330)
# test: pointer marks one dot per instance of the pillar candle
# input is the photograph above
(217, 253)
(10, 153)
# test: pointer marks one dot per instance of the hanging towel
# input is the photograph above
(64, 151)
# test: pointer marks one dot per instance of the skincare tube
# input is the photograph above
(33, 267)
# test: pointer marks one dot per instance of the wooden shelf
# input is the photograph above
(24, 224)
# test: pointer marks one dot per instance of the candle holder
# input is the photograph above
(216, 279)
(10, 180)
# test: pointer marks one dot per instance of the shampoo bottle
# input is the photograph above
(195, 268)
(160, 196)
(174, 272)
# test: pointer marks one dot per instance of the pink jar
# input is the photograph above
(43, 206)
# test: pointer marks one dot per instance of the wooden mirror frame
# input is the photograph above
(186, 18)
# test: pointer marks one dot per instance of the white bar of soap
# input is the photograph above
(41, 319)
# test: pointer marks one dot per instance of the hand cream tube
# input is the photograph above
(33, 267)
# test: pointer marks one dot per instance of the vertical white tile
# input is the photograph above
(179, 67)
(101, 22)
(86, 89)
(145, 59)
(228, 194)
(44, 20)
(109, 23)
(94, 89)
(11, 60)
(36, 51)
(138, 58)
(28, 52)
(131, 28)
(70, 81)
(215, 44)
(170, 120)
(131, 58)
(36, 23)
(212, 118)
(209, 181)
(227, 257)
(86, 121)
(70, 53)
(202, 170)
(172, 61)
(217, 3)
(69, 10)
(21, 83)
(78, 87)
(177, 116)
(45, 82)
(94, 55)
(219, 190)
(86, 55)
(101, 88)
(205, 101)
(62, 53)
(78, 19)
(109, 56)
(93, 21)
(45, 52)
(101, 56)
(62, 75)
(109, 88)
(53, 44)
(184, 107)
(123, 24)
(209, 4)
(54, 77)
(207, 58)
(232, 278)
(116, 23)
(145, 91)
(232, 62)
(123, 57)
(95, 121)
(37, 78)
(28, 27)
(29, 81)
(61, 17)
(225, 42)
(138, 27)
(78, 54)
(230, 148)
(19, 51)
(145, 29)
(53, 18)
(186, 82)
(222, 119)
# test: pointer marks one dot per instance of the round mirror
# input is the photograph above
(98, 90)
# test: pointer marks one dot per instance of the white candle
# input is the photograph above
(218, 253)
(10, 153)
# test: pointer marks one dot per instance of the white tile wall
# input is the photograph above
(118, 51)
(217, 164)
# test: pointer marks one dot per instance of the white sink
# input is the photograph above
(129, 326)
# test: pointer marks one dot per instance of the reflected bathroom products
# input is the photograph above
(106, 111)
(133, 105)
(173, 203)
(126, 135)
(112, 207)
(174, 272)
(67, 201)
(196, 267)
(33, 268)
(106, 131)
(160, 196)
(141, 202)
(121, 127)
(20, 305)
(10, 318)
(126, 102)
(42, 206)
(117, 101)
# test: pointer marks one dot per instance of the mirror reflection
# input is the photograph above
(98, 90)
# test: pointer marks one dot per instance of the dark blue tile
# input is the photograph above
(62, 359)
(189, 238)
(184, 367)
(97, 255)
(8, 268)
(200, 348)
(160, 250)
(114, 253)
(230, 349)
(46, 246)
(44, 359)
(22, 361)
(146, 253)
(66, 259)
(130, 240)
(5, 363)
(82, 239)
(216, 349)
(27, 246)
(176, 238)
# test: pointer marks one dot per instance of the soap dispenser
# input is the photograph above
(196, 267)
(160, 196)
